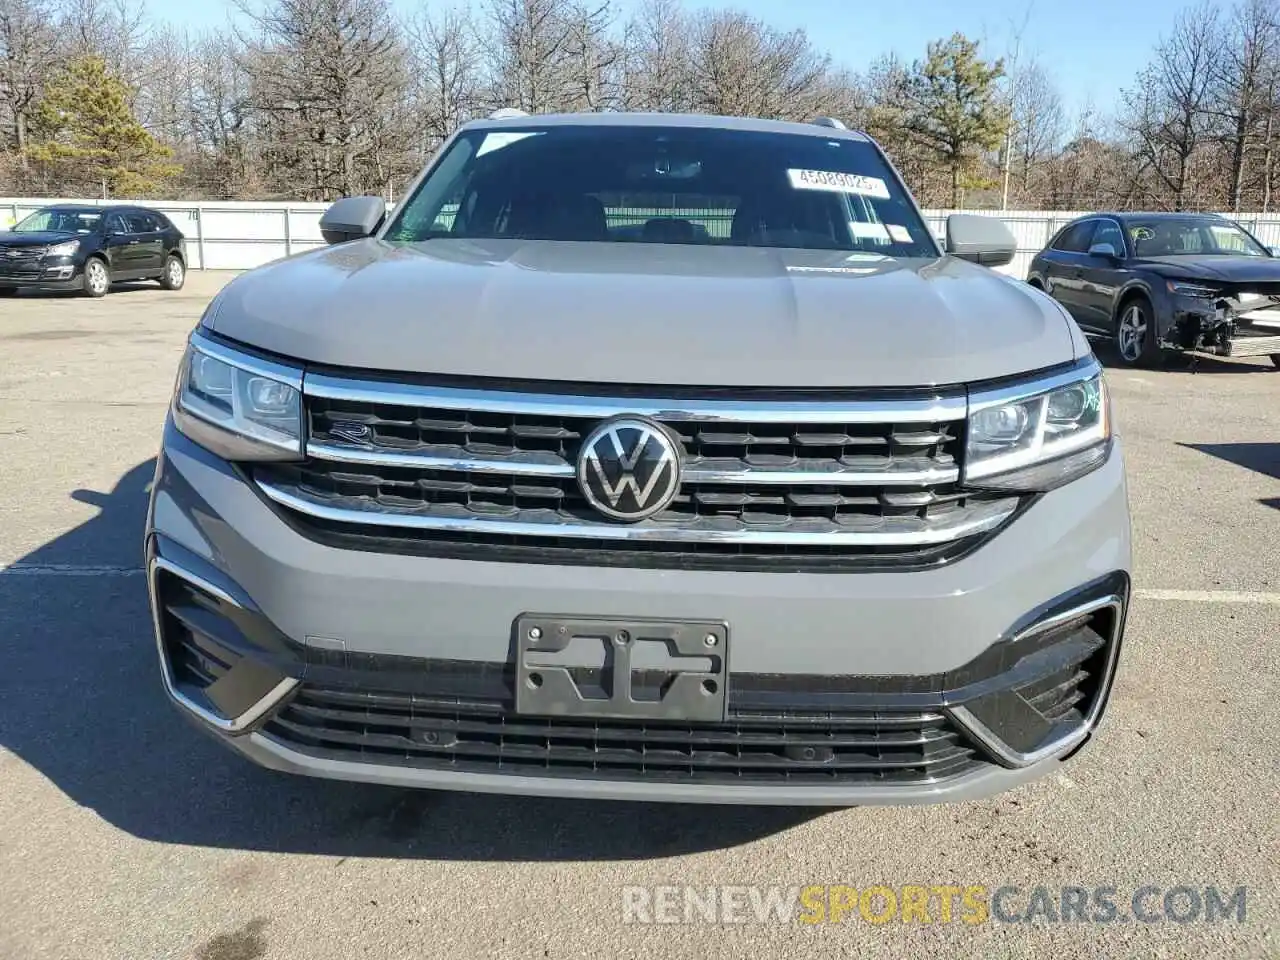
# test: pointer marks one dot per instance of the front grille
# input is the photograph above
(21, 254)
(818, 483)
(800, 447)
(753, 746)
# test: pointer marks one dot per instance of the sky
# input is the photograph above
(1092, 48)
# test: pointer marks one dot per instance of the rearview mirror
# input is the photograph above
(984, 240)
(1104, 250)
(352, 218)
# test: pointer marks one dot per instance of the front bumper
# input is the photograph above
(48, 272)
(396, 669)
(1223, 328)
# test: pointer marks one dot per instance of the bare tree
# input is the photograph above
(163, 77)
(1271, 98)
(328, 80)
(112, 29)
(1241, 81)
(445, 52)
(885, 85)
(1013, 80)
(220, 106)
(1036, 120)
(27, 44)
(739, 66)
(527, 51)
(593, 59)
(1169, 114)
(657, 58)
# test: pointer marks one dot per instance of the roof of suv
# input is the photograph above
(99, 208)
(668, 120)
(1155, 215)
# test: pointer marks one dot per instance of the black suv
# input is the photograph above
(1158, 282)
(88, 248)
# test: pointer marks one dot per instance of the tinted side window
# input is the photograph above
(116, 224)
(1075, 239)
(1109, 232)
(139, 223)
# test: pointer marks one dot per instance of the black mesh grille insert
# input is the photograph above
(752, 747)
(504, 497)
(778, 445)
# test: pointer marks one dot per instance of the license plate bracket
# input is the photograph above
(624, 668)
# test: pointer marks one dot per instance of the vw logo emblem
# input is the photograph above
(629, 468)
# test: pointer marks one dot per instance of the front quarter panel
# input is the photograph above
(1036, 272)
(1150, 286)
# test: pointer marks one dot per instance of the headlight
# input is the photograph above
(1038, 436)
(1190, 289)
(63, 249)
(239, 406)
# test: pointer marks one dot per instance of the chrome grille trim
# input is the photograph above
(704, 470)
(860, 478)
(884, 532)
(524, 464)
(925, 410)
(12, 253)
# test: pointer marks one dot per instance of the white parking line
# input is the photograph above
(1209, 596)
(21, 569)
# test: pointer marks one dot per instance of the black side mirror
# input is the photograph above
(984, 240)
(352, 218)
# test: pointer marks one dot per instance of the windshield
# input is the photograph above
(681, 185)
(1171, 238)
(52, 219)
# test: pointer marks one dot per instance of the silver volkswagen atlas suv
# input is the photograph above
(650, 457)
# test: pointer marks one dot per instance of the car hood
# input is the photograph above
(645, 314)
(36, 238)
(1221, 268)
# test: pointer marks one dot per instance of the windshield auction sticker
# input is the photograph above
(835, 182)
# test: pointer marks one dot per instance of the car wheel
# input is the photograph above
(96, 280)
(175, 274)
(1275, 358)
(1135, 336)
(8, 291)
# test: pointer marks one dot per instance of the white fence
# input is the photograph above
(225, 235)
(221, 235)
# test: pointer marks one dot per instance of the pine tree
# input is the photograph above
(84, 131)
(952, 107)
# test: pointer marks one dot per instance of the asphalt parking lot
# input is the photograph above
(125, 833)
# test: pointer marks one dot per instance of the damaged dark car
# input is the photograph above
(1155, 283)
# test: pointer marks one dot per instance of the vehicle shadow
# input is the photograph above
(81, 703)
(1182, 363)
(1263, 458)
(119, 286)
